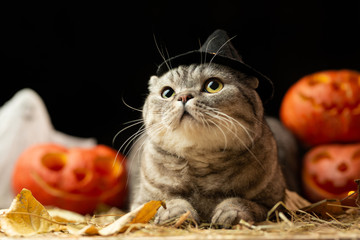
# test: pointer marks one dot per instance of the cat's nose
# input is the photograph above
(185, 97)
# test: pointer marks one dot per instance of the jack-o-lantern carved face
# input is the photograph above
(330, 170)
(324, 107)
(77, 179)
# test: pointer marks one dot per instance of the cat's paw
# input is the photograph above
(175, 208)
(232, 210)
(230, 215)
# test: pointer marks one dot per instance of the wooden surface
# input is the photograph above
(205, 234)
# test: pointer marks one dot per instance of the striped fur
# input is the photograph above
(219, 161)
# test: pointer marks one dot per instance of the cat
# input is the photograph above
(206, 147)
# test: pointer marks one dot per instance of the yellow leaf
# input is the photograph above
(67, 219)
(26, 216)
(65, 216)
(147, 212)
(142, 214)
(120, 224)
(88, 230)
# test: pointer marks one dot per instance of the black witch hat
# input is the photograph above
(218, 49)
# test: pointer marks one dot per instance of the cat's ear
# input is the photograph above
(153, 80)
(252, 82)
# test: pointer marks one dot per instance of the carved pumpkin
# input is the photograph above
(324, 107)
(76, 179)
(329, 171)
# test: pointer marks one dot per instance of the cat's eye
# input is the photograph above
(213, 85)
(167, 92)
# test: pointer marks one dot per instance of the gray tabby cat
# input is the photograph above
(206, 148)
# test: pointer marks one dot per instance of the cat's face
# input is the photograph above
(203, 106)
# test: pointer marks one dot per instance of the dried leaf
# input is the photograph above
(88, 230)
(293, 203)
(65, 216)
(119, 225)
(70, 221)
(325, 207)
(26, 216)
(142, 214)
(147, 212)
(105, 218)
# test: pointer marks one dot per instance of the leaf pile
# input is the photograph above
(293, 217)
(26, 217)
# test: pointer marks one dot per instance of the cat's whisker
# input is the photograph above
(234, 121)
(168, 56)
(222, 116)
(157, 112)
(127, 105)
(120, 150)
(257, 121)
(135, 139)
(217, 52)
(229, 123)
(129, 140)
(154, 129)
(168, 119)
(244, 145)
(207, 46)
(223, 133)
(246, 130)
(126, 144)
(142, 134)
(203, 120)
(161, 54)
(201, 56)
(133, 124)
(138, 151)
(136, 122)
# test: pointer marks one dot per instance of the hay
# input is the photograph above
(298, 225)
(294, 219)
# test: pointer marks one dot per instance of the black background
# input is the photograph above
(84, 58)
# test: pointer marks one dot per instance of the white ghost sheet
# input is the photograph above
(24, 121)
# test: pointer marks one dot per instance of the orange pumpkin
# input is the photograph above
(76, 179)
(324, 107)
(329, 171)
